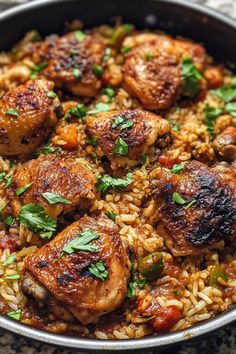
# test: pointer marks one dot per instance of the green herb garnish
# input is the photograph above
(177, 168)
(231, 108)
(8, 180)
(9, 260)
(12, 112)
(191, 78)
(107, 182)
(21, 190)
(110, 92)
(9, 220)
(121, 147)
(97, 70)
(211, 114)
(47, 149)
(37, 70)
(100, 107)
(111, 215)
(143, 159)
(148, 56)
(121, 123)
(81, 242)
(93, 140)
(36, 220)
(227, 94)
(78, 111)
(176, 197)
(190, 203)
(12, 277)
(2, 176)
(77, 73)
(51, 94)
(138, 283)
(53, 198)
(125, 49)
(107, 54)
(99, 270)
(80, 36)
(16, 315)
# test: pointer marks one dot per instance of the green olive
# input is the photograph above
(217, 273)
(151, 266)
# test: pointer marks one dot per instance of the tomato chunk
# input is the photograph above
(166, 319)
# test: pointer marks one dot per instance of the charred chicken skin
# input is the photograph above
(63, 176)
(137, 130)
(72, 276)
(152, 69)
(71, 63)
(196, 209)
(27, 117)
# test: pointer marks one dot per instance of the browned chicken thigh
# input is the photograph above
(85, 268)
(63, 176)
(123, 136)
(74, 64)
(153, 71)
(27, 117)
(195, 209)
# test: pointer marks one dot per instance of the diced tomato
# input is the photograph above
(167, 161)
(166, 319)
(8, 241)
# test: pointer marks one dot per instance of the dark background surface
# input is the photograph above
(221, 342)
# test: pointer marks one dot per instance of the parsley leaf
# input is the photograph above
(176, 197)
(125, 49)
(80, 36)
(8, 181)
(99, 270)
(97, 70)
(110, 92)
(190, 203)
(93, 141)
(231, 108)
(191, 78)
(121, 123)
(138, 283)
(12, 112)
(79, 111)
(121, 147)
(36, 220)
(178, 167)
(16, 315)
(107, 54)
(47, 149)
(100, 107)
(21, 190)
(2, 176)
(9, 220)
(227, 94)
(111, 215)
(37, 70)
(81, 242)
(211, 114)
(77, 73)
(51, 94)
(106, 182)
(54, 198)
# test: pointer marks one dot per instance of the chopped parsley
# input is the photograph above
(110, 92)
(191, 78)
(51, 94)
(21, 190)
(82, 242)
(77, 73)
(120, 122)
(53, 198)
(111, 215)
(8, 180)
(138, 283)
(148, 56)
(80, 36)
(121, 147)
(2, 176)
(99, 270)
(16, 315)
(100, 107)
(12, 112)
(78, 111)
(143, 159)
(107, 54)
(231, 108)
(9, 220)
(211, 114)
(177, 168)
(107, 182)
(125, 49)
(225, 93)
(93, 140)
(48, 149)
(9, 260)
(176, 197)
(35, 219)
(190, 203)
(97, 70)
(3, 207)
(37, 70)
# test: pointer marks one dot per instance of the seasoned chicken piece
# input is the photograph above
(88, 280)
(152, 69)
(196, 209)
(75, 64)
(60, 175)
(27, 117)
(123, 136)
(225, 144)
(13, 75)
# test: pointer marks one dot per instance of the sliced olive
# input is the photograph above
(151, 266)
(217, 273)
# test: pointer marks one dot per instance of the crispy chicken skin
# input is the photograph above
(66, 56)
(139, 129)
(67, 276)
(212, 216)
(225, 144)
(34, 116)
(60, 175)
(152, 69)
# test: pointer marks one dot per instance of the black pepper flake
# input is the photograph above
(42, 264)
(64, 279)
